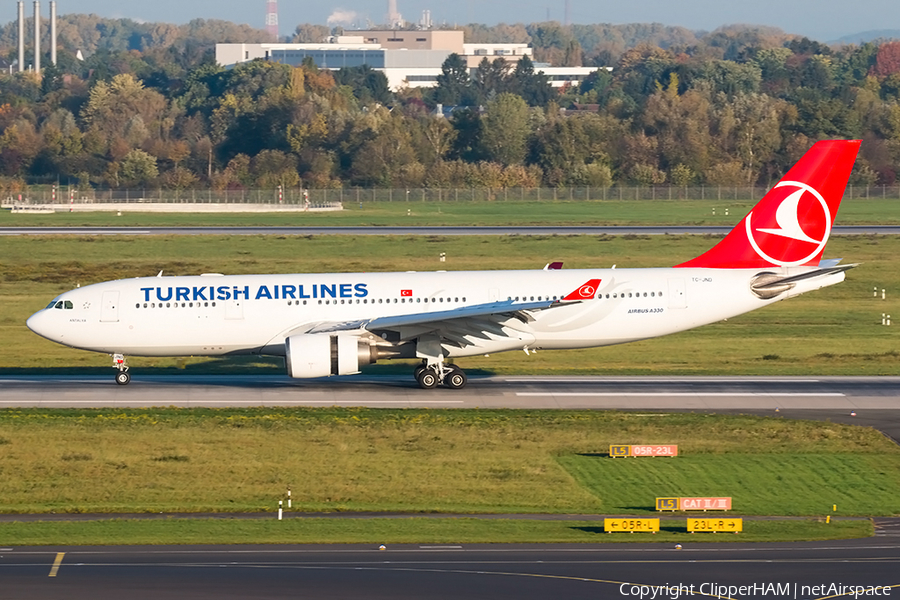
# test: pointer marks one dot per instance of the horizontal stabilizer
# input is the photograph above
(802, 276)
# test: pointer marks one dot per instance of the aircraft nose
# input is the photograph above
(39, 323)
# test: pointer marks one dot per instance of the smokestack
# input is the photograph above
(21, 36)
(272, 18)
(37, 37)
(53, 32)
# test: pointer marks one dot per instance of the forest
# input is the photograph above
(144, 105)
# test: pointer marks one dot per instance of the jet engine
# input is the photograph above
(322, 355)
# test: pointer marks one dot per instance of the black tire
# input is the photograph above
(123, 377)
(427, 379)
(419, 370)
(456, 380)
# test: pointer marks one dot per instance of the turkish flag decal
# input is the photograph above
(406, 292)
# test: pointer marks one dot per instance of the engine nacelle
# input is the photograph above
(323, 355)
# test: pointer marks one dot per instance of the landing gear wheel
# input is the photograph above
(427, 379)
(456, 380)
(123, 377)
(419, 370)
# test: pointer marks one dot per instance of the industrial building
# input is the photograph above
(408, 58)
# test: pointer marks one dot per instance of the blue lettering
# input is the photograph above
(331, 290)
(181, 293)
(300, 293)
(361, 291)
(245, 292)
(223, 293)
(275, 290)
(146, 293)
(199, 293)
(346, 290)
(159, 295)
(263, 293)
(287, 291)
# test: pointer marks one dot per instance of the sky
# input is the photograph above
(822, 20)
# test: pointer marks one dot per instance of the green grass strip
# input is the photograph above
(397, 531)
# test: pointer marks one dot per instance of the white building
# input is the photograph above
(407, 58)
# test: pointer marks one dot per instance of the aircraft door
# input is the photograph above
(677, 294)
(109, 307)
(234, 309)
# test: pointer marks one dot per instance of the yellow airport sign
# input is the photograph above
(631, 525)
(715, 525)
(667, 503)
(620, 451)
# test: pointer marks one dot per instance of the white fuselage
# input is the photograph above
(214, 315)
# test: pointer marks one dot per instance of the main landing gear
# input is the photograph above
(430, 376)
(123, 377)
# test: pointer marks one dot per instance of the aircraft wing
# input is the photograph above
(473, 320)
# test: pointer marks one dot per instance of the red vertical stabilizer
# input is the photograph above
(791, 224)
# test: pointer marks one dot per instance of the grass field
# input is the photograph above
(397, 531)
(460, 461)
(858, 211)
(834, 331)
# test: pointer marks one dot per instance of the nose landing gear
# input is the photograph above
(123, 377)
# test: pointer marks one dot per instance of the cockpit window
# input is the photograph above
(61, 304)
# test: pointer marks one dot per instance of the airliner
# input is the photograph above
(326, 324)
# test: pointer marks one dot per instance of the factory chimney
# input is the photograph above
(53, 32)
(37, 37)
(272, 18)
(21, 36)
(394, 19)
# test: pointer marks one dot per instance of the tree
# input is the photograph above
(367, 84)
(453, 84)
(491, 77)
(506, 129)
(137, 168)
(533, 87)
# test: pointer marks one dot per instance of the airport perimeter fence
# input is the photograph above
(340, 196)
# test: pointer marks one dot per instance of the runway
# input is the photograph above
(447, 231)
(873, 401)
(437, 571)
(495, 572)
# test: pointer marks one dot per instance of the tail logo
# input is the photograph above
(787, 240)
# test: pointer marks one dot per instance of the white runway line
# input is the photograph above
(688, 394)
(655, 381)
(140, 401)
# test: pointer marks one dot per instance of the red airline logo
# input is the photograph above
(585, 291)
(795, 231)
(406, 292)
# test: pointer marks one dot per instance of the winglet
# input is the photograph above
(790, 226)
(585, 291)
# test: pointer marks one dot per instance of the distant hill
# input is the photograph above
(868, 36)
